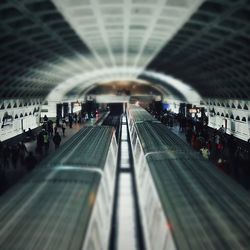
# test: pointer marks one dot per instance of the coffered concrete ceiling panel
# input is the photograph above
(212, 50)
(43, 43)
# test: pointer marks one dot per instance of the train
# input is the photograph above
(66, 202)
(185, 202)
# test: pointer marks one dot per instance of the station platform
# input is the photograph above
(235, 166)
(10, 175)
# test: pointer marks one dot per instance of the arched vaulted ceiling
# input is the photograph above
(43, 43)
(212, 50)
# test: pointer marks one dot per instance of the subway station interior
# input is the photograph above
(124, 124)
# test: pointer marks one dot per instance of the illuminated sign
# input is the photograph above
(194, 110)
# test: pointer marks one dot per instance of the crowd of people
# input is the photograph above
(49, 132)
(227, 152)
(16, 159)
(13, 156)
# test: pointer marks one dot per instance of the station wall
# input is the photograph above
(17, 115)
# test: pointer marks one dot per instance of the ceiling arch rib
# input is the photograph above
(145, 85)
(211, 51)
(176, 88)
(203, 42)
(32, 39)
(103, 26)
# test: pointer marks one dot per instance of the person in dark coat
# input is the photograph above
(63, 128)
(14, 155)
(30, 161)
(57, 140)
(50, 127)
(22, 151)
(189, 133)
(46, 141)
(40, 143)
(70, 121)
(55, 129)
(6, 156)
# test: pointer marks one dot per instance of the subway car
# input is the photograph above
(67, 201)
(185, 201)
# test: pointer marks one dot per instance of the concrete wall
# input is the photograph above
(22, 114)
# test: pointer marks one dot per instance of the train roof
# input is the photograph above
(139, 114)
(205, 208)
(88, 148)
(50, 207)
(157, 137)
(50, 210)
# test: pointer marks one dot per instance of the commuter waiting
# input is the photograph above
(30, 161)
(57, 140)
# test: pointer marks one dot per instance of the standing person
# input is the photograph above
(57, 121)
(75, 118)
(14, 155)
(63, 128)
(55, 129)
(22, 151)
(189, 133)
(70, 121)
(6, 156)
(57, 140)
(222, 129)
(50, 127)
(45, 118)
(30, 161)
(30, 134)
(39, 143)
(80, 119)
(217, 140)
(46, 141)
